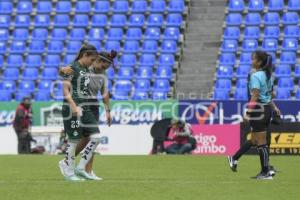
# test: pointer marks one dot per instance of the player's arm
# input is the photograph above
(273, 105)
(68, 97)
(105, 95)
(65, 71)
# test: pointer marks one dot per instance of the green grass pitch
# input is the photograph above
(149, 178)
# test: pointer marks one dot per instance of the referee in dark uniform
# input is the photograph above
(259, 112)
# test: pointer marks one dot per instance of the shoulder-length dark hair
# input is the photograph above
(87, 49)
(266, 62)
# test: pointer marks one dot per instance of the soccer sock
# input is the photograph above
(264, 157)
(70, 153)
(88, 152)
(246, 146)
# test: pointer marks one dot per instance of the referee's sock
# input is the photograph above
(246, 146)
(264, 157)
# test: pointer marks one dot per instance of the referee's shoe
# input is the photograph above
(232, 163)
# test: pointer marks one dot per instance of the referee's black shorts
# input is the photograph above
(260, 119)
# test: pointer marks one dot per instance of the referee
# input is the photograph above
(259, 112)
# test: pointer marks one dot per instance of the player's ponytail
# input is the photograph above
(108, 56)
(266, 62)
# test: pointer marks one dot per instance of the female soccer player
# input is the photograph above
(259, 112)
(98, 82)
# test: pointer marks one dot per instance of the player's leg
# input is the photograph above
(80, 146)
(172, 149)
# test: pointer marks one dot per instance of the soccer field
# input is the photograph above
(149, 177)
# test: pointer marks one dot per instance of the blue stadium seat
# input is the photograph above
(159, 95)
(139, 6)
(241, 94)
(290, 18)
(83, 7)
(155, 20)
(33, 61)
(20, 34)
(77, 34)
(57, 95)
(297, 71)
(6, 7)
(136, 20)
(112, 45)
(291, 32)
(271, 18)
(97, 44)
(227, 59)
(221, 94)
(270, 45)
(118, 20)
(5, 95)
(297, 95)
(125, 73)
(225, 71)
(1, 61)
(251, 32)
(115, 34)
(17, 47)
(236, 5)
(249, 45)
(110, 72)
(229, 46)
(4, 21)
(140, 95)
(55, 47)
(174, 20)
(49, 73)
(42, 21)
(4, 35)
(283, 71)
(8, 86)
(101, 6)
(168, 46)
(40, 34)
(81, 21)
(122, 85)
(142, 85)
(176, 6)
(99, 20)
(243, 71)
(22, 21)
(131, 46)
(147, 60)
(294, 5)
(234, 19)
(152, 33)
(276, 5)
(42, 96)
(30, 74)
(2, 47)
(24, 7)
(224, 84)
(14, 61)
(166, 60)
(69, 58)
(231, 32)
(164, 73)
(242, 83)
(144, 73)
(44, 7)
(171, 33)
(128, 60)
(62, 20)
(36, 47)
(21, 94)
(290, 44)
(149, 46)
(96, 34)
(120, 6)
(161, 85)
(120, 95)
(272, 32)
(63, 7)
(288, 58)
(73, 46)
(256, 5)
(52, 60)
(253, 19)
(245, 58)
(134, 34)
(11, 74)
(59, 34)
(157, 6)
(286, 83)
(26, 86)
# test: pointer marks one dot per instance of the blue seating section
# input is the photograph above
(37, 37)
(250, 25)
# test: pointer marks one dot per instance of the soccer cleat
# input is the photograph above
(232, 163)
(73, 178)
(82, 173)
(272, 170)
(95, 177)
(264, 176)
(65, 169)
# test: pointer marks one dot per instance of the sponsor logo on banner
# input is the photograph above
(216, 139)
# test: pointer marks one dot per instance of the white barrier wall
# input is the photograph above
(8, 141)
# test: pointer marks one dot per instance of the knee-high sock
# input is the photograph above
(246, 146)
(88, 152)
(70, 153)
(264, 157)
